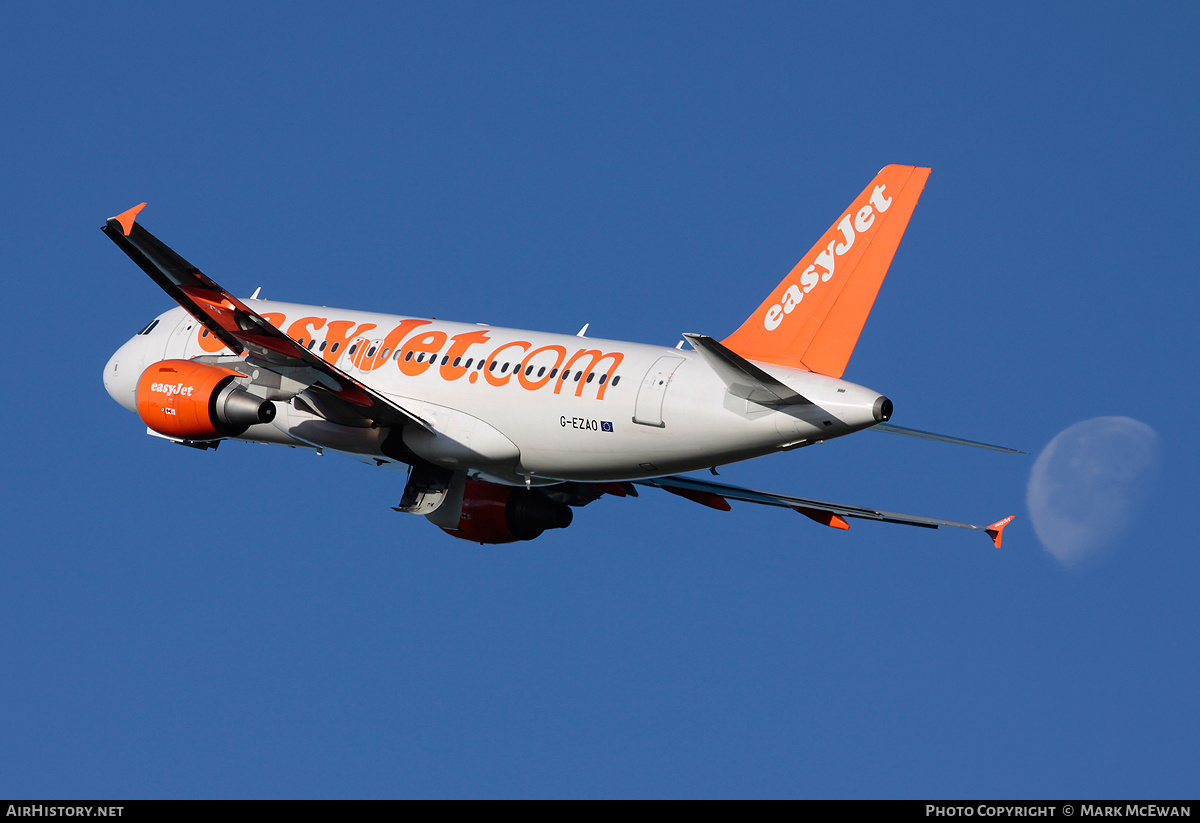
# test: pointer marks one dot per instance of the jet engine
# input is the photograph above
(492, 513)
(196, 401)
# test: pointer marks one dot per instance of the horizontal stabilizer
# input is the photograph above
(743, 378)
(890, 429)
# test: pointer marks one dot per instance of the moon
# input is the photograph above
(1087, 484)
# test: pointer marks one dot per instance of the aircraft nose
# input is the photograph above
(121, 374)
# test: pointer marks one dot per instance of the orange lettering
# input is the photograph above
(596, 357)
(272, 317)
(462, 342)
(487, 370)
(391, 343)
(208, 341)
(534, 385)
(429, 342)
(336, 336)
(303, 328)
(359, 357)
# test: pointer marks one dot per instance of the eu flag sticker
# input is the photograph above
(605, 426)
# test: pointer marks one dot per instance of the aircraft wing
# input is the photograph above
(241, 329)
(717, 495)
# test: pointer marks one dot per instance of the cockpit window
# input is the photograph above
(149, 328)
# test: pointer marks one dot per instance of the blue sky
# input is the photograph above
(258, 622)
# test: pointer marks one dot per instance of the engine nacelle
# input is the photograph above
(196, 401)
(492, 513)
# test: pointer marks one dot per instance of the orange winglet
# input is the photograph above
(996, 530)
(713, 501)
(126, 218)
(824, 518)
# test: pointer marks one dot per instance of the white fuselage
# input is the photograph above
(497, 404)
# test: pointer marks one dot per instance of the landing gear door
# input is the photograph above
(648, 408)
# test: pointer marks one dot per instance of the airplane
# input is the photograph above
(504, 432)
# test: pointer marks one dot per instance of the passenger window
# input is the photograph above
(456, 361)
(603, 377)
(590, 376)
(352, 348)
(541, 371)
(445, 359)
(566, 373)
(384, 355)
(407, 357)
(324, 343)
(310, 344)
(202, 334)
(528, 370)
(578, 375)
(504, 368)
(492, 367)
(300, 341)
(553, 372)
(468, 365)
(371, 352)
(333, 349)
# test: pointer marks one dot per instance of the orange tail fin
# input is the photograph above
(814, 317)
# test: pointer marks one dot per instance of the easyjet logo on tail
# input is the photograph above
(836, 280)
(821, 270)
